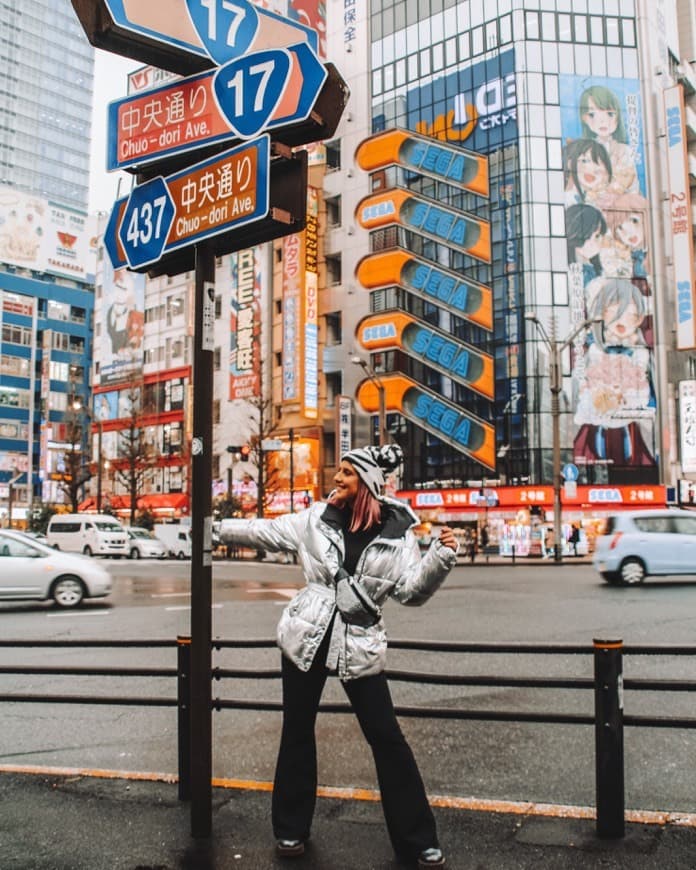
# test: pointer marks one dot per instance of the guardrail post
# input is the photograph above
(183, 689)
(609, 745)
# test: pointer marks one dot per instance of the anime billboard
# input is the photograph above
(123, 323)
(609, 271)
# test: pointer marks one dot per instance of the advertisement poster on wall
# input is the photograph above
(123, 324)
(610, 281)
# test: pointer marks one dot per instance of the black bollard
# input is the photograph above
(609, 744)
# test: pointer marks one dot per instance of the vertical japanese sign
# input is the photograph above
(293, 280)
(344, 418)
(244, 324)
(310, 392)
(687, 425)
(680, 217)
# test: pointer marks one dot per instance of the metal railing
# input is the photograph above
(607, 683)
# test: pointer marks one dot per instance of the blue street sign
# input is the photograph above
(249, 89)
(111, 241)
(214, 196)
(570, 472)
(229, 29)
(146, 221)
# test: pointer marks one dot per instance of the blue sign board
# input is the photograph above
(570, 472)
(214, 196)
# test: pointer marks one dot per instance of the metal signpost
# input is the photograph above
(265, 75)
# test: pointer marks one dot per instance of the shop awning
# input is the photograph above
(161, 502)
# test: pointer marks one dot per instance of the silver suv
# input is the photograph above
(636, 544)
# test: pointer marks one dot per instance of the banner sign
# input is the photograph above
(444, 225)
(452, 292)
(438, 416)
(424, 342)
(681, 218)
(424, 155)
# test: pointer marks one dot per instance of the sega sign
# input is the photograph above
(610, 495)
(429, 499)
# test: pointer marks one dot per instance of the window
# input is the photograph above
(218, 306)
(334, 328)
(22, 335)
(334, 386)
(217, 355)
(333, 155)
(216, 411)
(333, 211)
(333, 269)
(685, 525)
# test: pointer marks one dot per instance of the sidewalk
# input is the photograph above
(78, 822)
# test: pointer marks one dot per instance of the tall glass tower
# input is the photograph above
(46, 78)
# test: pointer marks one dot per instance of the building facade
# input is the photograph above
(45, 110)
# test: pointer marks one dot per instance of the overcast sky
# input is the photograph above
(110, 72)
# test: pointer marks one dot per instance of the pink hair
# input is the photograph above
(367, 510)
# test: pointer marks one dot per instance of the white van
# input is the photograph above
(176, 537)
(91, 534)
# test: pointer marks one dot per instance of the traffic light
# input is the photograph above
(244, 450)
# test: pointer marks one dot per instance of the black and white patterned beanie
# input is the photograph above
(373, 463)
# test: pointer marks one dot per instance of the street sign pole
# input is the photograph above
(201, 551)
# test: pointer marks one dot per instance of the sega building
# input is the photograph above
(566, 102)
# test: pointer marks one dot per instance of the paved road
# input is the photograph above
(485, 759)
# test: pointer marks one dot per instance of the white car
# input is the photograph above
(31, 570)
(142, 544)
(640, 544)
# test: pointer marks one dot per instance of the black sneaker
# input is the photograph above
(291, 848)
(431, 858)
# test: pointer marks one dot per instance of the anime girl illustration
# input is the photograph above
(588, 172)
(626, 251)
(616, 393)
(585, 231)
(601, 118)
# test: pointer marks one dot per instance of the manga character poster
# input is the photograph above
(123, 324)
(610, 280)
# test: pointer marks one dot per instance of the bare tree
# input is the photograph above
(135, 455)
(76, 471)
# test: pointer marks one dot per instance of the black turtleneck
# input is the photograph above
(356, 541)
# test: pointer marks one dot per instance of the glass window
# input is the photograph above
(557, 220)
(554, 155)
(596, 29)
(438, 56)
(548, 26)
(491, 34)
(685, 525)
(628, 31)
(505, 24)
(412, 67)
(477, 41)
(565, 30)
(425, 61)
(654, 525)
(580, 28)
(612, 31)
(532, 25)
(377, 81)
(451, 52)
(464, 46)
(400, 72)
(551, 90)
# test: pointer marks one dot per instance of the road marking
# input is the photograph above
(287, 593)
(79, 613)
(170, 595)
(524, 808)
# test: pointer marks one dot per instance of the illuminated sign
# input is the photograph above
(434, 414)
(454, 358)
(457, 295)
(426, 156)
(429, 218)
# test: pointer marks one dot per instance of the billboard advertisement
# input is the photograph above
(123, 324)
(245, 319)
(607, 235)
(43, 236)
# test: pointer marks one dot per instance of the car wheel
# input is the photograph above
(134, 553)
(180, 555)
(632, 572)
(68, 591)
(87, 550)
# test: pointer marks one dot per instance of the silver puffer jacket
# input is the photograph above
(390, 566)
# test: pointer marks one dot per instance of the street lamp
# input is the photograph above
(372, 375)
(555, 349)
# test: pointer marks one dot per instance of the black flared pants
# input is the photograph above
(409, 818)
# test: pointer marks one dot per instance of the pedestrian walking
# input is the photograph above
(357, 549)
(574, 538)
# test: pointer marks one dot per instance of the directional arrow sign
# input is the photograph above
(205, 109)
(165, 34)
(211, 197)
(230, 28)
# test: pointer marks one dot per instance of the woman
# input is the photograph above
(370, 537)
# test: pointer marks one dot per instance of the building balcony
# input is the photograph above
(690, 122)
(687, 77)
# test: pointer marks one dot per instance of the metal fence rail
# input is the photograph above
(607, 684)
